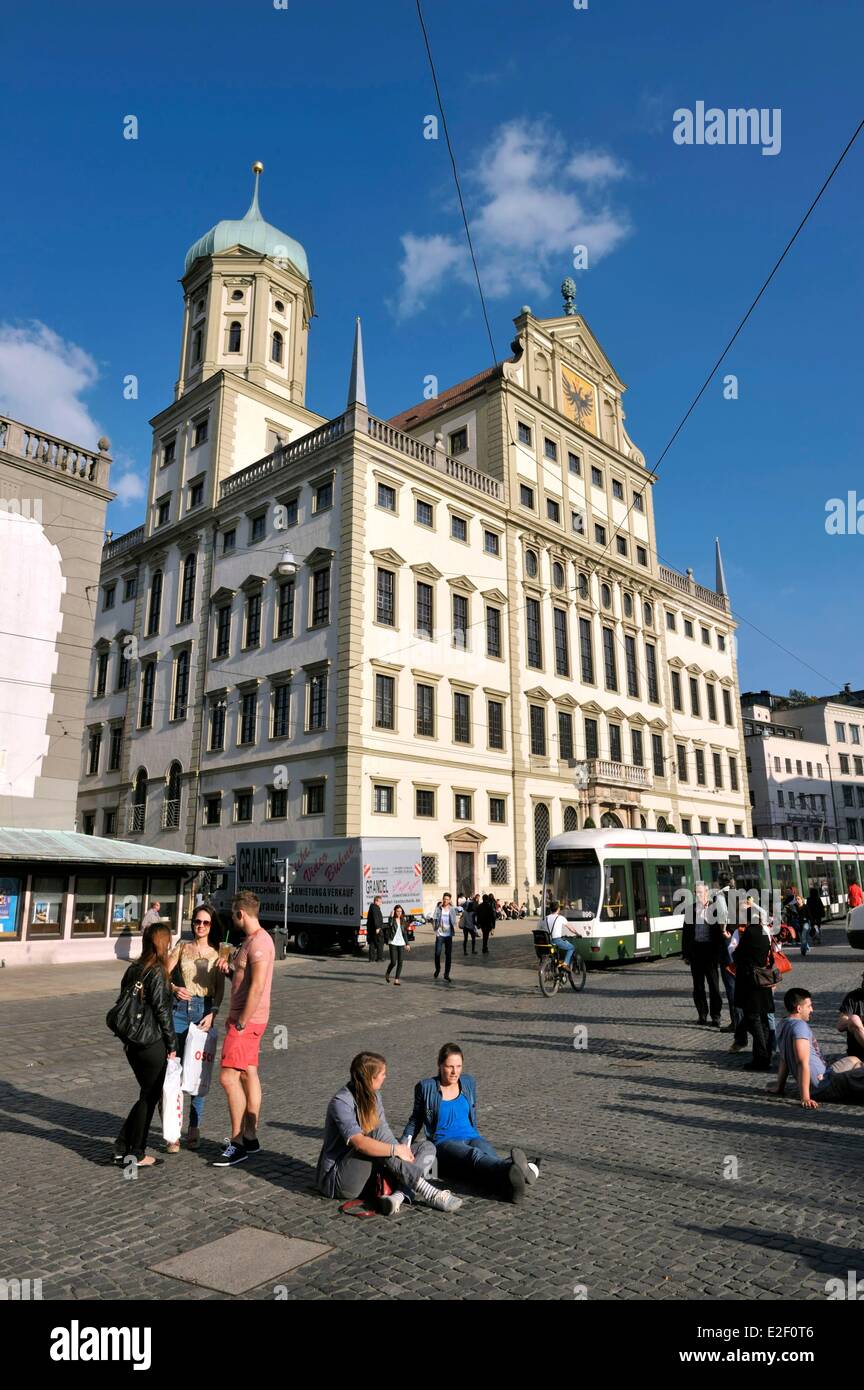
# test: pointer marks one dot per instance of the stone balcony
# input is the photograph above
(608, 774)
(56, 455)
(686, 584)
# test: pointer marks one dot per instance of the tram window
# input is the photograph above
(744, 875)
(820, 874)
(670, 878)
(785, 876)
(850, 871)
(616, 899)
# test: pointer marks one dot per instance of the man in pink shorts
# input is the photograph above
(251, 978)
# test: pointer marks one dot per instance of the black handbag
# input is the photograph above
(131, 1018)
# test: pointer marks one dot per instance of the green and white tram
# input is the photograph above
(620, 884)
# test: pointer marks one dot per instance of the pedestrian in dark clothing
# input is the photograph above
(486, 920)
(703, 947)
(814, 911)
(149, 1058)
(752, 949)
(375, 930)
(469, 924)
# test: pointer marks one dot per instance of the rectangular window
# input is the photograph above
(248, 716)
(524, 432)
(462, 806)
(285, 610)
(169, 450)
(562, 642)
(686, 824)
(385, 701)
(642, 556)
(615, 743)
(538, 731)
(460, 621)
(670, 622)
(491, 543)
(840, 733)
(461, 718)
(781, 799)
(196, 494)
(163, 513)
(550, 450)
(181, 686)
(565, 735)
(423, 513)
(636, 748)
(592, 739)
(533, 633)
(424, 610)
(323, 497)
(321, 597)
(115, 748)
(217, 726)
(706, 637)
(855, 733)
(253, 621)
(199, 433)
(385, 597)
(600, 535)
(458, 528)
(609, 665)
(387, 497)
(458, 441)
(242, 807)
(94, 747)
(711, 694)
(574, 463)
(497, 810)
(681, 753)
(553, 510)
(688, 628)
(101, 674)
(677, 700)
(733, 775)
(694, 697)
(638, 502)
(651, 672)
(632, 670)
(859, 767)
(852, 830)
(617, 490)
(424, 802)
(109, 824)
(577, 523)
(586, 651)
(727, 708)
(148, 682)
(281, 711)
(596, 477)
(130, 587)
(844, 762)
(317, 688)
(425, 710)
(657, 755)
(290, 509)
(109, 595)
(721, 642)
(229, 541)
(257, 528)
(223, 630)
(277, 804)
(718, 770)
(385, 799)
(848, 792)
(495, 721)
(700, 766)
(526, 496)
(493, 631)
(621, 545)
(313, 799)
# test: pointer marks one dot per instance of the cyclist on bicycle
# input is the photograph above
(559, 929)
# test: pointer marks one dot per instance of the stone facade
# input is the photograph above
(423, 626)
(53, 497)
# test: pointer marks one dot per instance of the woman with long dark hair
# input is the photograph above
(197, 988)
(360, 1147)
(750, 949)
(148, 1057)
(395, 934)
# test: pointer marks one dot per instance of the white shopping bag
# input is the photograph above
(198, 1059)
(172, 1102)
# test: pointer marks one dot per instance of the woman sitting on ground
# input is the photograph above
(359, 1145)
(446, 1105)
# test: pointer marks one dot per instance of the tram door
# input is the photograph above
(641, 915)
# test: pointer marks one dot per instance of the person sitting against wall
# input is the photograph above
(446, 1106)
(197, 988)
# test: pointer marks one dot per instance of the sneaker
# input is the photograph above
(738, 1047)
(520, 1158)
(534, 1170)
(251, 1146)
(517, 1184)
(233, 1153)
(390, 1206)
(445, 1201)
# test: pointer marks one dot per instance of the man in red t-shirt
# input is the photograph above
(855, 896)
(248, 1013)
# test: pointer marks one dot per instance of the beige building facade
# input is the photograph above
(451, 624)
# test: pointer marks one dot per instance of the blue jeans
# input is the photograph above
(188, 1011)
(565, 948)
(474, 1161)
(444, 943)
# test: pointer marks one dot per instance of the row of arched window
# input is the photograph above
(170, 799)
(235, 342)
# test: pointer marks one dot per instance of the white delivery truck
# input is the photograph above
(331, 885)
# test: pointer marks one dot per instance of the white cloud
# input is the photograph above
(125, 481)
(528, 206)
(42, 378)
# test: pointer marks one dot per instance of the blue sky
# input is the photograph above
(566, 114)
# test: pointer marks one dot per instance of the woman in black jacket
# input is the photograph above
(148, 1059)
(755, 1001)
(485, 919)
(814, 911)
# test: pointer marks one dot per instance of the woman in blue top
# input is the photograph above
(447, 1105)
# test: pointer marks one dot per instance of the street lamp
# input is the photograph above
(287, 565)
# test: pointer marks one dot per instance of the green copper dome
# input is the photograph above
(252, 232)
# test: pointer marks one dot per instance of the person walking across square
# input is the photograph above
(445, 919)
(248, 1015)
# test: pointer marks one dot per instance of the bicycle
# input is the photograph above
(552, 972)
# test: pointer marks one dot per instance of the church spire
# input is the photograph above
(357, 383)
(254, 211)
(720, 579)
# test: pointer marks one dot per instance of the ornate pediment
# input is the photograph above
(222, 595)
(592, 707)
(566, 702)
(252, 582)
(386, 557)
(537, 693)
(473, 836)
(426, 571)
(494, 596)
(694, 670)
(321, 555)
(658, 725)
(463, 584)
(677, 663)
(615, 713)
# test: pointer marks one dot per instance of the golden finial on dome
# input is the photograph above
(257, 167)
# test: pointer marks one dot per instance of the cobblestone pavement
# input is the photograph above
(635, 1132)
